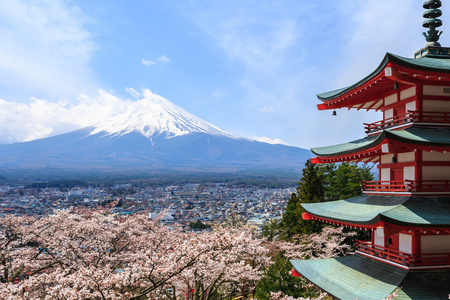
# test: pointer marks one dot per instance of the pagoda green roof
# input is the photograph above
(358, 277)
(417, 135)
(428, 285)
(422, 211)
(352, 277)
(349, 147)
(432, 64)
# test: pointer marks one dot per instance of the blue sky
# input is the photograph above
(252, 68)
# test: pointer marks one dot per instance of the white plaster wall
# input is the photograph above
(408, 173)
(435, 105)
(405, 157)
(385, 174)
(405, 243)
(435, 156)
(408, 93)
(436, 173)
(379, 237)
(411, 105)
(390, 99)
(435, 90)
(435, 243)
(386, 159)
(388, 113)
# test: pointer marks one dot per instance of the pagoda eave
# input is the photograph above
(379, 221)
(352, 225)
(369, 149)
(365, 94)
(370, 211)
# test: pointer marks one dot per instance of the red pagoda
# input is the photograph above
(408, 210)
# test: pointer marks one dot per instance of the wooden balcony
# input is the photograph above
(407, 186)
(424, 117)
(402, 258)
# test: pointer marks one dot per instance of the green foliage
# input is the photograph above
(321, 183)
(199, 225)
(270, 229)
(309, 189)
(292, 223)
(277, 277)
(343, 181)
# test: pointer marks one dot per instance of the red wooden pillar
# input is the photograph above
(387, 234)
(416, 244)
(418, 168)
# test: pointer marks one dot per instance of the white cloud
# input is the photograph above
(259, 35)
(269, 140)
(46, 47)
(148, 62)
(42, 118)
(267, 108)
(162, 58)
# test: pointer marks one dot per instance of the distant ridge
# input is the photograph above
(154, 136)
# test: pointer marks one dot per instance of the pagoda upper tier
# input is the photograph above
(394, 75)
(411, 143)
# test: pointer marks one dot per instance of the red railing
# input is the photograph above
(383, 252)
(409, 260)
(408, 186)
(387, 186)
(430, 259)
(410, 116)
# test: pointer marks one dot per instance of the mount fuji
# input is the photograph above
(152, 136)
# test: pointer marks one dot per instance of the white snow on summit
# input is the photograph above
(154, 115)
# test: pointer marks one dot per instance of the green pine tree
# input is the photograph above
(309, 190)
(343, 181)
(270, 229)
(277, 277)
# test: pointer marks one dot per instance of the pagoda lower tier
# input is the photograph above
(409, 244)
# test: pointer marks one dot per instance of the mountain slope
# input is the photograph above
(153, 136)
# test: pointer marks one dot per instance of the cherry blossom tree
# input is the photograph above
(329, 242)
(98, 255)
(237, 259)
(18, 253)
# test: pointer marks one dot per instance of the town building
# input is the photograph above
(407, 211)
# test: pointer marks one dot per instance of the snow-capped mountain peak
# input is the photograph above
(153, 116)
